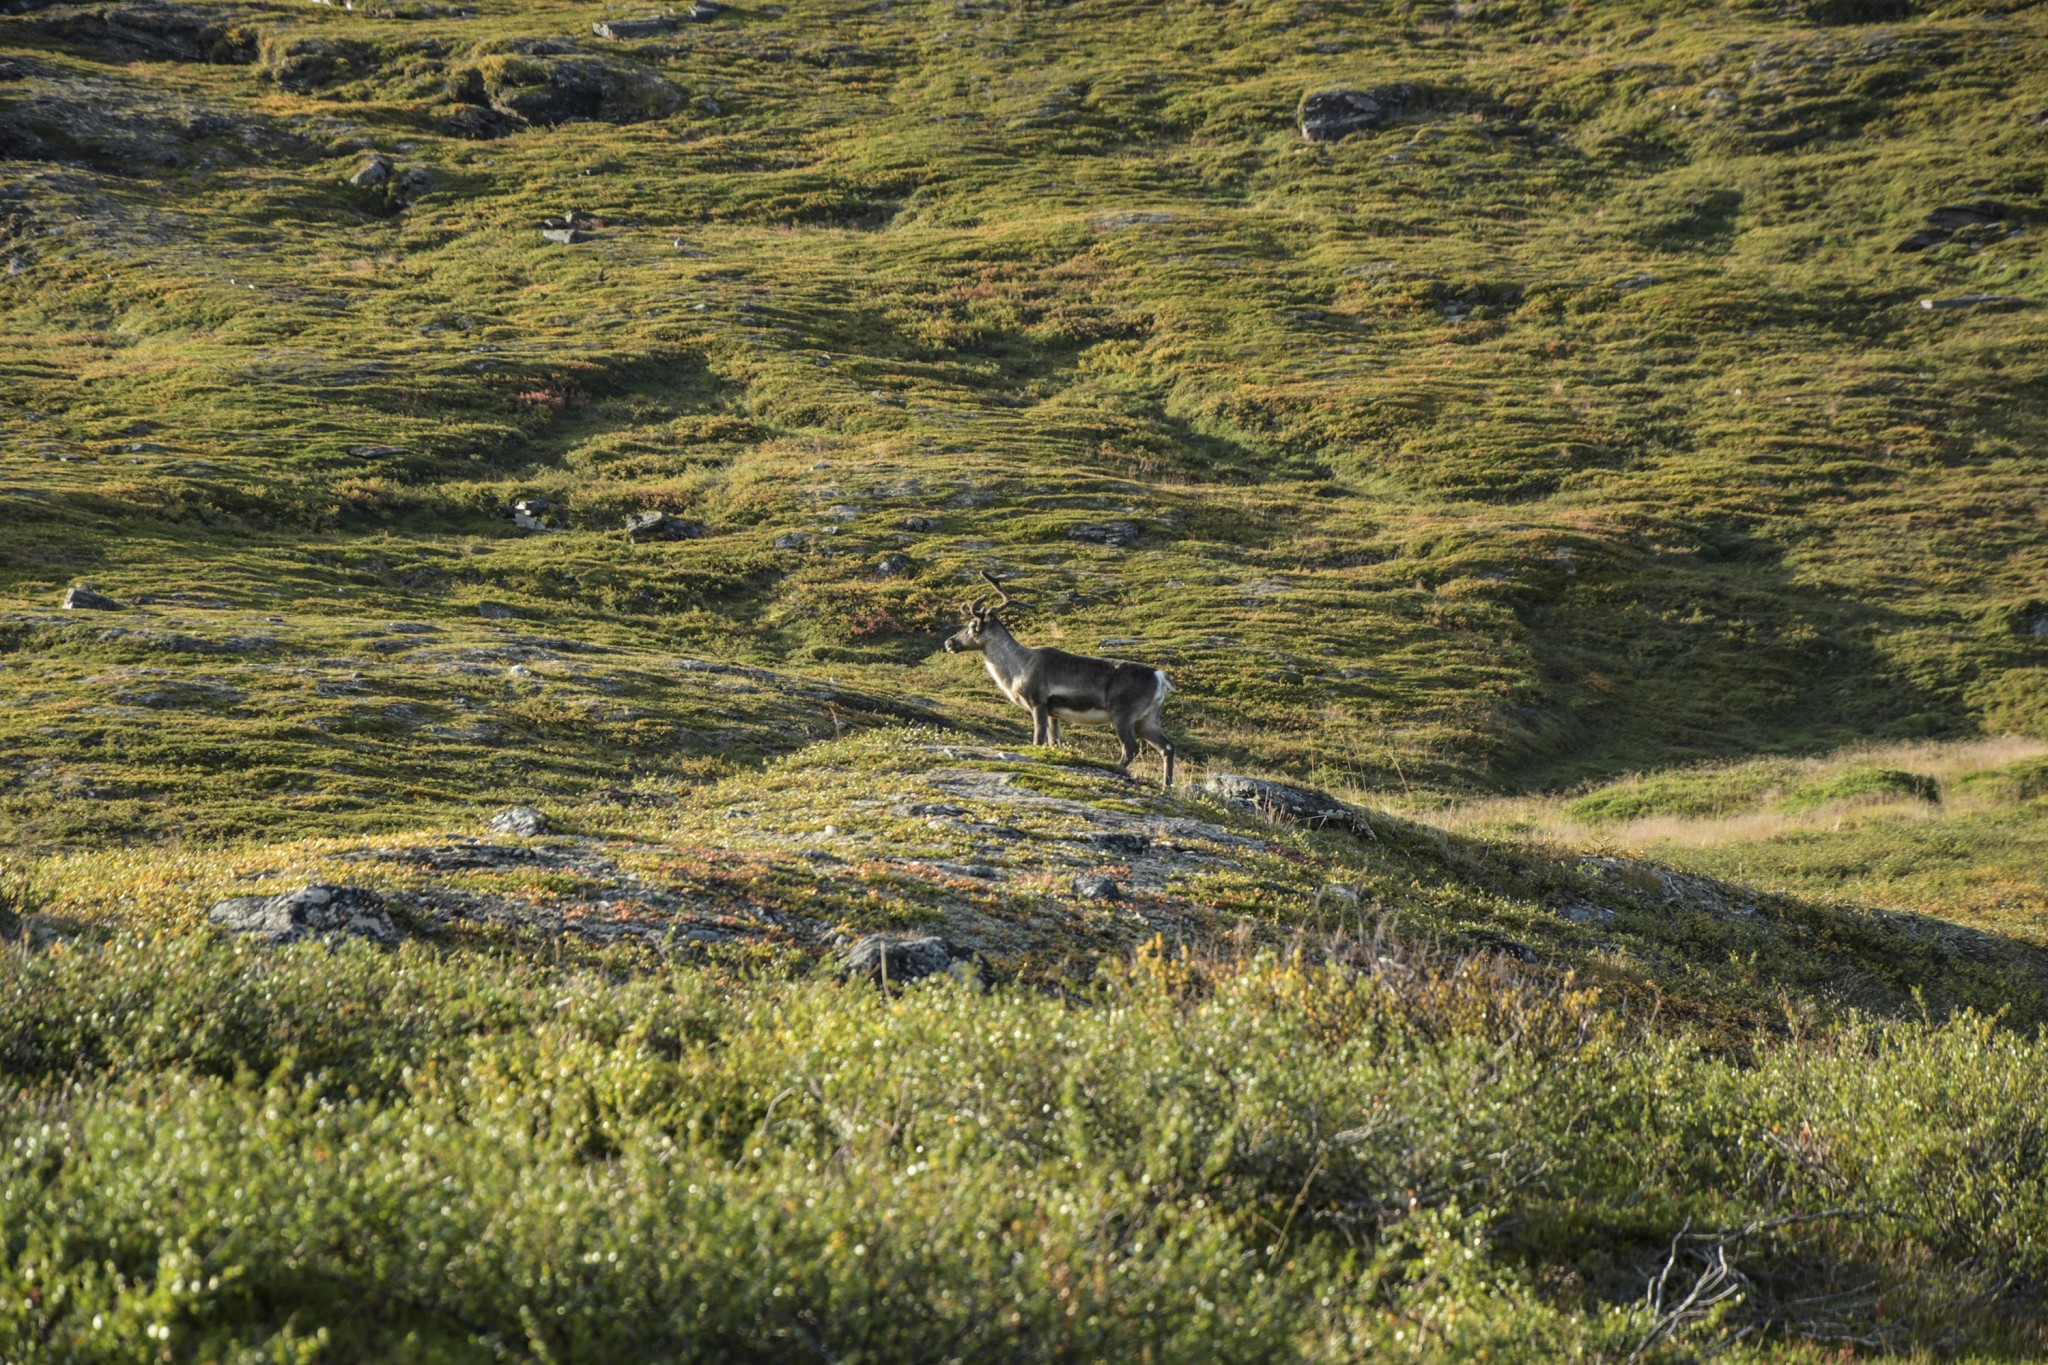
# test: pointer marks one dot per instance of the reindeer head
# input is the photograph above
(973, 637)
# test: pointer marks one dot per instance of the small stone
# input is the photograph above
(1126, 845)
(1097, 889)
(495, 611)
(893, 566)
(377, 452)
(529, 514)
(522, 821)
(880, 958)
(78, 597)
(310, 910)
(918, 524)
(792, 540)
(376, 171)
(566, 236)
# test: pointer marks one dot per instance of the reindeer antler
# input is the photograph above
(991, 580)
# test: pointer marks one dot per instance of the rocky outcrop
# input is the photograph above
(1327, 115)
(311, 911)
(546, 82)
(149, 29)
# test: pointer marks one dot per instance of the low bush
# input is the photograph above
(222, 1152)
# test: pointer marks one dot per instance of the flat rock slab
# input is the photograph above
(651, 27)
(472, 856)
(317, 910)
(1974, 301)
(1285, 801)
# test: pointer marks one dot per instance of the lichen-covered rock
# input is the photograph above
(879, 957)
(1327, 115)
(523, 821)
(319, 909)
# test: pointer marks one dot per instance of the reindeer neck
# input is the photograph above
(1005, 657)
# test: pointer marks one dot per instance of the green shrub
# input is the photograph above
(1865, 785)
(345, 1153)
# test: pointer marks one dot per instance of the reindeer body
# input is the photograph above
(1054, 685)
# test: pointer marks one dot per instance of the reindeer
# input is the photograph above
(1053, 685)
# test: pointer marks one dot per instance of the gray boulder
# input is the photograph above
(879, 957)
(1285, 801)
(643, 526)
(893, 566)
(530, 514)
(1327, 115)
(1115, 534)
(495, 611)
(1097, 889)
(522, 821)
(320, 909)
(77, 598)
(376, 171)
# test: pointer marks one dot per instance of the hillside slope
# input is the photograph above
(1581, 419)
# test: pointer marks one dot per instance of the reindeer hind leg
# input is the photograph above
(1127, 741)
(1155, 735)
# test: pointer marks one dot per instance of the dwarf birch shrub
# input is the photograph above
(326, 1154)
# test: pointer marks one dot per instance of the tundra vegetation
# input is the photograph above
(1607, 453)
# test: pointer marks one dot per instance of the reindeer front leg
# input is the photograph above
(1041, 724)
